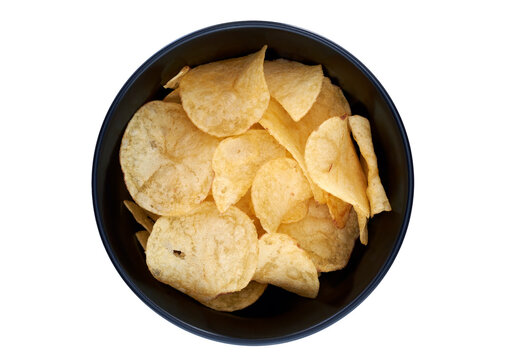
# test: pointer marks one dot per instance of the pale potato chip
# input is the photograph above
(339, 210)
(294, 85)
(227, 97)
(143, 217)
(296, 214)
(293, 135)
(166, 160)
(173, 97)
(236, 161)
(278, 187)
(282, 263)
(204, 254)
(361, 131)
(142, 237)
(328, 246)
(174, 82)
(236, 300)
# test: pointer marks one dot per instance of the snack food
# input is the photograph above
(246, 175)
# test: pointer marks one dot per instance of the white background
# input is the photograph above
(447, 68)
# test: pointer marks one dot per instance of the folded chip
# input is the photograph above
(328, 246)
(279, 186)
(282, 263)
(294, 85)
(174, 82)
(293, 135)
(143, 217)
(166, 160)
(142, 237)
(227, 97)
(206, 253)
(361, 131)
(236, 161)
(237, 300)
(333, 164)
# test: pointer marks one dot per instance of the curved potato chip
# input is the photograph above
(225, 98)
(339, 210)
(333, 165)
(173, 97)
(245, 205)
(166, 160)
(236, 300)
(278, 187)
(174, 82)
(296, 214)
(236, 161)
(142, 237)
(294, 85)
(282, 263)
(143, 217)
(361, 131)
(204, 254)
(293, 135)
(328, 246)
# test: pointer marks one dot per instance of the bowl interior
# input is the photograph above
(278, 315)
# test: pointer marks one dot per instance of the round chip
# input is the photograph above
(225, 98)
(294, 85)
(166, 160)
(279, 186)
(296, 214)
(282, 263)
(328, 246)
(237, 300)
(236, 161)
(204, 254)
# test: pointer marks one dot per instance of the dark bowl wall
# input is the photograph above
(278, 315)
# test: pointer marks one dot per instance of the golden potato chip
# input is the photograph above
(294, 85)
(279, 186)
(227, 97)
(361, 131)
(143, 217)
(173, 97)
(174, 82)
(296, 214)
(166, 160)
(339, 210)
(328, 246)
(245, 205)
(282, 263)
(293, 135)
(206, 253)
(142, 237)
(237, 300)
(236, 161)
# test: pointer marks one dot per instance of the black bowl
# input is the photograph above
(278, 316)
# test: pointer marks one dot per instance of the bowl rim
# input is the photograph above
(365, 292)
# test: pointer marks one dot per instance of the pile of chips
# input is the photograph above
(246, 174)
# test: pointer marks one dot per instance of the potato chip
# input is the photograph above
(174, 82)
(245, 205)
(293, 135)
(282, 263)
(225, 98)
(339, 210)
(294, 85)
(296, 214)
(173, 97)
(140, 215)
(361, 131)
(166, 160)
(236, 300)
(206, 253)
(142, 237)
(236, 161)
(328, 246)
(279, 186)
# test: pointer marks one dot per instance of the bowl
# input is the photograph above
(278, 316)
